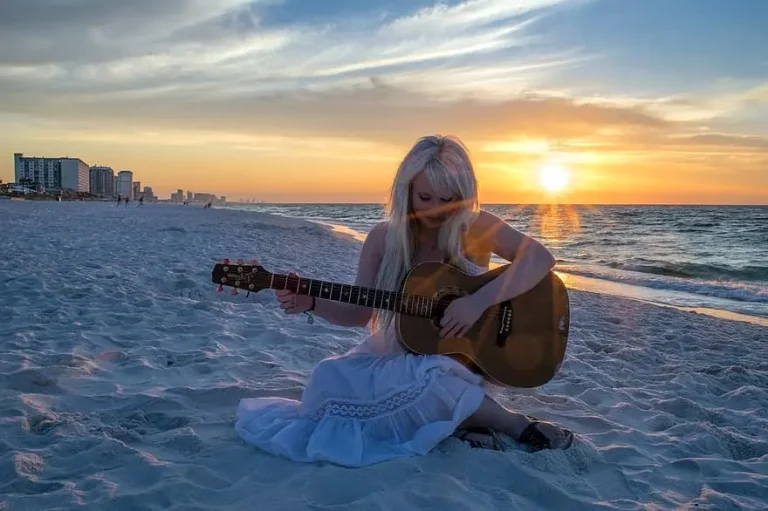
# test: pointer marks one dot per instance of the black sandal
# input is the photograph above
(533, 437)
(480, 438)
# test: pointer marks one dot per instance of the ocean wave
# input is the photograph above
(687, 270)
(735, 291)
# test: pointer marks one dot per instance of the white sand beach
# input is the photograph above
(121, 368)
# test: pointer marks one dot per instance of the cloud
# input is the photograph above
(39, 32)
(376, 111)
(224, 47)
(445, 20)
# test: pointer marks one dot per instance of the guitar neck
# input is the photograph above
(412, 305)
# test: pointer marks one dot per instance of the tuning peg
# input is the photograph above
(234, 291)
(226, 261)
(239, 261)
(253, 262)
(221, 288)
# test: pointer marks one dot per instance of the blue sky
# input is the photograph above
(618, 74)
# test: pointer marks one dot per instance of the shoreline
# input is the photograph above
(572, 281)
(598, 286)
(606, 287)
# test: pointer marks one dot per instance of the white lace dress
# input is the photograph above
(371, 404)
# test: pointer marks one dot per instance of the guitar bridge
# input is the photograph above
(505, 325)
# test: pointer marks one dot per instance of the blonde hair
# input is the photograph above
(447, 165)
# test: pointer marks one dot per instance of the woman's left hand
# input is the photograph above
(460, 315)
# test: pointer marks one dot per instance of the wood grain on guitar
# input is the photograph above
(516, 343)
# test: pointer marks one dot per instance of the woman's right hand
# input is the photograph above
(293, 303)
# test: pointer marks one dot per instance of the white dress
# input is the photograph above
(371, 404)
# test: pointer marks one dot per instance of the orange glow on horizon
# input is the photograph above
(346, 170)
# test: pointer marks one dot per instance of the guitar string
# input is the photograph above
(264, 283)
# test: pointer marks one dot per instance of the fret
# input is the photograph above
(357, 289)
(346, 294)
(272, 281)
(335, 292)
(431, 303)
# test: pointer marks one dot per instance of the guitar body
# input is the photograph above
(518, 343)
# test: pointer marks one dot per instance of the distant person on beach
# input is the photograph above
(119, 200)
(141, 200)
(378, 402)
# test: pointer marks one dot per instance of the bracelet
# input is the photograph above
(308, 312)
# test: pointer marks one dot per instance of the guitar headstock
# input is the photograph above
(251, 277)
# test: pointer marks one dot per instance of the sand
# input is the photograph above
(121, 368)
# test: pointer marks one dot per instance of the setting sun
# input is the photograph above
(554, 178)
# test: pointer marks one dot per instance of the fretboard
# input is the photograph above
(412, 305)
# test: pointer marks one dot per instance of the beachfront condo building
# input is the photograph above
(125, 184)
(102, 181)
(52, 173)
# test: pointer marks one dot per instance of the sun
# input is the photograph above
(554, 178)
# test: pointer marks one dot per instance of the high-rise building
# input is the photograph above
(102, 181)
(149, 195)
(52, 173)
(136, 189)
(204, 197)
(124, 184)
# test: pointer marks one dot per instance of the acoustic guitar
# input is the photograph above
(517, 343)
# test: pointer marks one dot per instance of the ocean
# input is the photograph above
(707, 257)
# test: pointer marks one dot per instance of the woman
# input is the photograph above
(377, 402)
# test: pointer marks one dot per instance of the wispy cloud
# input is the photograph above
(188, 42)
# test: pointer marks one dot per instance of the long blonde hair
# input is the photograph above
(447, 165)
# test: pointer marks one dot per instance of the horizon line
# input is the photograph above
(691, 204)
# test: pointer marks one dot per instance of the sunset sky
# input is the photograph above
(652, 101)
